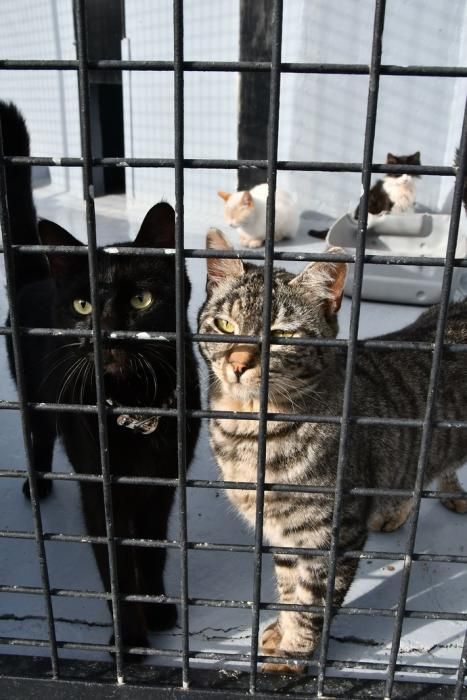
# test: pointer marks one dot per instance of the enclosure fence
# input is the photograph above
(73, 679)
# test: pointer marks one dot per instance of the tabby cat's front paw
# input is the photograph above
(458, 505)
(270, 646)
(271, 638)
(390, 520)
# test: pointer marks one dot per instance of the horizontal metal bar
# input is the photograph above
(236, 66)
(418, 261)
(163, 336)
(221, 415)
(237, 604)
(232, 657)
(230, 164)
(238, 548)
(232, 485)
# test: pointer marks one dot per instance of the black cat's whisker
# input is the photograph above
(140, 366)
(69, 376)
(152, 373)
(79, 375)
(60, 349)
(55, 367)
(164, 364)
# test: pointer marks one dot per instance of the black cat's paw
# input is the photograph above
(160, 616)
(140, 641)
(44, 488)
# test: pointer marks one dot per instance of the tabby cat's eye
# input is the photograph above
(141, 301)
(224, 326)
(280, 333)
(83, 307)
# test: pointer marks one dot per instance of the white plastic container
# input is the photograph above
(403, 235)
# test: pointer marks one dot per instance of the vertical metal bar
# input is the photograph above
(427, 430)
(180, 328)
(370, 126)
(83, 93)
(273, 134)
(461, 671)
(25, 421)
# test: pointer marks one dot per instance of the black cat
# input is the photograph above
(136, 293)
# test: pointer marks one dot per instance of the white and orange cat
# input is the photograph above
(246, 211)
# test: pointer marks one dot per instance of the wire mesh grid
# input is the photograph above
(322, 685)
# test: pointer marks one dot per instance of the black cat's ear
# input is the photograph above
(158, 228)
(392, 159)
(415, 158)
(324, 282)
(51, 233)
(220, 268)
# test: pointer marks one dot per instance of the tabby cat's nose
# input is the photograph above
(241, 360)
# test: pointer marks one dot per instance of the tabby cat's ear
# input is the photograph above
(51, 233)
(158, 228)
(324, 281)
(220, 268)
(223, 195)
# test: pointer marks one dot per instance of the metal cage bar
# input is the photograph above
(180, 329)
(427, 429)
(272, 146)
(85, 129)
(237, 66)
(9, 261)
(370, 127)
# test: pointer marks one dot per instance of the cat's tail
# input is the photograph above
(21, 209)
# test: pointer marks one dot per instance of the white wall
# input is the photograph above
(322, 117)
(327, 113)
(43, 29)
(211, 33)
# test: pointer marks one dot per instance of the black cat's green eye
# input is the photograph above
(281, 333)
(141, 301)
(82, 307)
(224, 326)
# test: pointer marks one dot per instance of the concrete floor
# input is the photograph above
(433, 587)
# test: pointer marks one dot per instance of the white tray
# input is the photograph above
(403, 235)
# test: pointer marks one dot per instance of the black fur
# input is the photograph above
(139, 373)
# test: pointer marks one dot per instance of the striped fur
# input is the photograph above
(311, 380)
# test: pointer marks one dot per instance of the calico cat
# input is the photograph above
(246, 211)
(137, 293)
(394, 193)
(310, 380)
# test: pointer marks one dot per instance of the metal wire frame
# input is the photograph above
(272, 147)
(25, 417)
(352, 345)
(180, 329)
(344, 437)
(88, 188)
(237, 67)
(427, 430)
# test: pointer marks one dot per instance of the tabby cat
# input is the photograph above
(394, 193)
(136, 293)
(310, 380)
